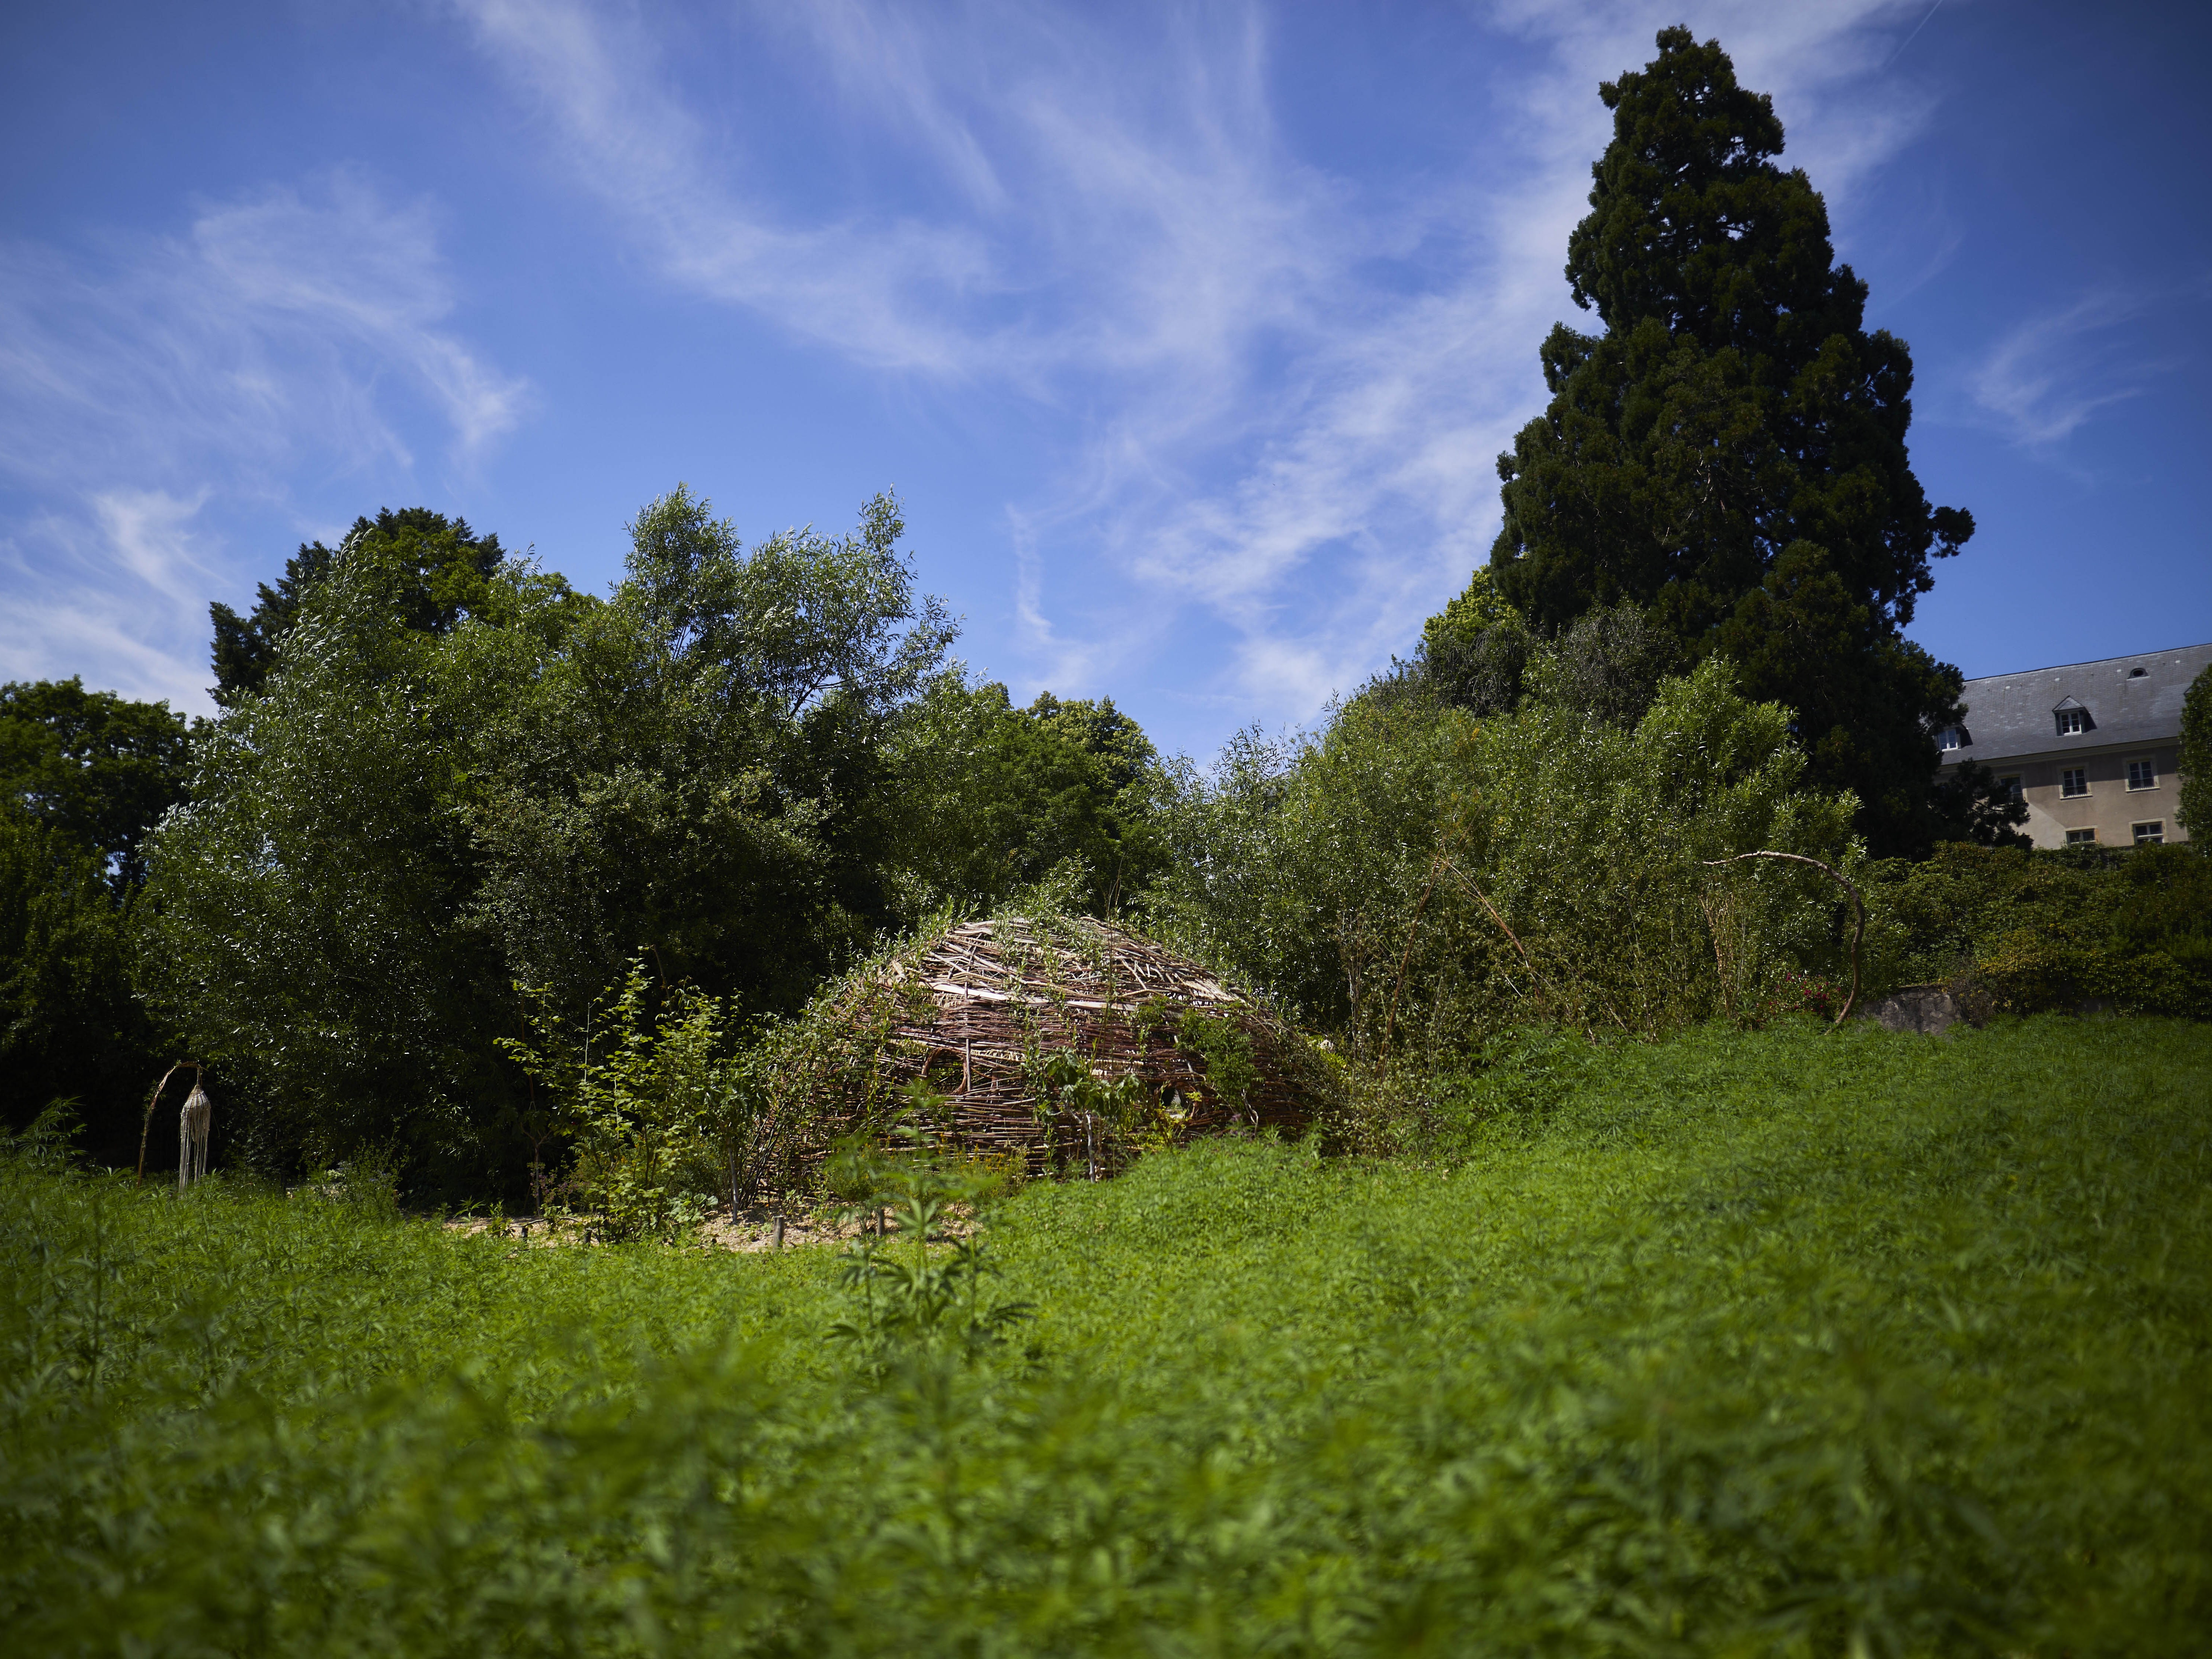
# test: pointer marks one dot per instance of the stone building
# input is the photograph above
(2091, 747)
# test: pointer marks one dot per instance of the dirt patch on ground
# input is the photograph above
(748, 1232)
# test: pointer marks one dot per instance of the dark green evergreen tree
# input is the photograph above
(446, 564)
(1730, 454)
(2195, 808)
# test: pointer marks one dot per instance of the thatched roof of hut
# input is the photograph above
(979, 1010)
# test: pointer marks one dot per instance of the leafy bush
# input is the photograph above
(2020, 930)
(636, 1113)
(1415, 876)
(661, 1103)
(922, 1299)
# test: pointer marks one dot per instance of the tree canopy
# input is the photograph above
(1729, 452)
(447, 785)
(994, 799)
(447, 566)
(98, 768)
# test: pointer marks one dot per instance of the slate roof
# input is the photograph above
(2130, 700)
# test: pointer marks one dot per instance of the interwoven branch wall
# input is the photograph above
(975, 1010)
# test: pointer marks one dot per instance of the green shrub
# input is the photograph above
(661, 1105)
(920, 1300)
(1420, 881)
(2028, 931)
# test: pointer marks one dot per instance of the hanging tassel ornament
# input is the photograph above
(146, 1125)
(192, 1137)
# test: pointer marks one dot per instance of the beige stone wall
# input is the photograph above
(2110, 808)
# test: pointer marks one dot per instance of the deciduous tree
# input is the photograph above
(98, 767)
(447, 566)
(993, 797)
(439, 791)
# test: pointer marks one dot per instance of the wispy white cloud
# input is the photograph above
(1282, 391)
(876, 290)
(106, 592)
(270, 327)
(2045, 377)
(147, 375)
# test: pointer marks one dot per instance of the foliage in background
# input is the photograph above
(84, 776)
(1785, 1343)
(701, 767)
(2020, 930)
(303, 923)
(1297, 863)
(1600, 851)
(992, 797)
(436, 795)
(1730, 451)
(1972, 803)
(445, 572)
(100, 768)
(2195, 812)
(70, 1025)
(1605, 664)
(1417, 877)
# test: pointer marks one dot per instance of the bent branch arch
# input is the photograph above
(1858, 909)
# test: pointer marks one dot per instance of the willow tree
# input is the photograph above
(1729, 452)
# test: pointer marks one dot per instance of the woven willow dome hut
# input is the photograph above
(980, 1012)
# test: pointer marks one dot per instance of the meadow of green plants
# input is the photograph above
(1795, 1341)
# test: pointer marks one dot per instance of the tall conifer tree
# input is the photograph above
(1729, 452)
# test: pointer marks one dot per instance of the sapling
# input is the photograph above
(917, 1297)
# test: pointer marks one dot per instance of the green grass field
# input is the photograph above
(1790, 1342)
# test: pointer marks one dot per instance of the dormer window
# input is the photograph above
(2072, 718)
(1949, 738)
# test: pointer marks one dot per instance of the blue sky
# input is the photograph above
(1188, 334)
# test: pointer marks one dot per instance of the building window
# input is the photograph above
(2151, 833)
(2081, 837)
(2142, 775)
(2010, 786)
(1947, 739)
(2074, 780)
(2071, 721)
